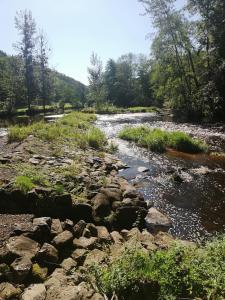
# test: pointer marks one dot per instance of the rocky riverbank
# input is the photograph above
(64, 208)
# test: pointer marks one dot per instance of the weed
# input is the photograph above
(24, 183)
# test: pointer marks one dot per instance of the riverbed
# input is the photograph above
(196, 203)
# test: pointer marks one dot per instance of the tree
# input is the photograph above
(26, 26)
(42, 59)
(97, 93)
(110, 79)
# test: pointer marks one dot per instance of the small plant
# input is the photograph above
(24, 183)
(112, 147)
(59, 189)
(96, 138)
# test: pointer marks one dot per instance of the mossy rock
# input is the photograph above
(39, 273)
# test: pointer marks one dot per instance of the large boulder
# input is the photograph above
(56, 227)
(156, 221)
(95, 256)
(82, 211)
(22, 246)
(79, 228)
(112, 194)
(103, 234)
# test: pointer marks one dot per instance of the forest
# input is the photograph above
(185, 71)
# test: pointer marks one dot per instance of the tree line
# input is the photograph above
(185, 71)
(26, 78)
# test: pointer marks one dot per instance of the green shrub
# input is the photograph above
(159, 140)
(176, 273)
(24, 183)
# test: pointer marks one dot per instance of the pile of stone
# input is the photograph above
(49, 258)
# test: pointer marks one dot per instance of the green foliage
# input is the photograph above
(34, 173)
(59, 189)
(158, 140)
(24, 183)
(179, 272)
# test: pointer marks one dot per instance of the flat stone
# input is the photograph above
(34, 161)
(22, 246)
(85, 243)
(48, 253)
(34, 292)
(63, 239)
(156, 221)
(95, 256)
(79, 255)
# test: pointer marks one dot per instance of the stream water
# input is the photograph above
(196, 205)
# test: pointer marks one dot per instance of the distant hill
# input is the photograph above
(63, 88)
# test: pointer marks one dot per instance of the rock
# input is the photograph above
(101, 207)
(103, 234)
(83, 211)
(130, 192)
(95, 256)
(93, 230)
(122, 221)
(112, 194)
(147, 240)
(142, 169)
(8, 291)
(163, 240)
(156, 221)
(86, 233)
(63, 239)
(85, 243)
(68, 225)
(134, 233)
(124, 234)
(4, 271)
(42, 221)
(116, 237)
(34, 292)
(48, 254)
(39, 274)
(34, 161)
(68, 264)
(79, 255)
(22, 246)
(20, 269)
(56, 227)
(79, 228)
(177, 177)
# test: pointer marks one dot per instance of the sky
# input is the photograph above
(75, 28)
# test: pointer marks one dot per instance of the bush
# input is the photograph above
(24, 183)
(96, 138)
(158, 140)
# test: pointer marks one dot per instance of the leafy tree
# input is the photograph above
(26, 26)
(97, 94)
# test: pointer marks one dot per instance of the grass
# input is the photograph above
(177, 273)
(158, 140)
(24, 183)
(75, 128)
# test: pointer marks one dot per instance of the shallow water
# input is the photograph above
(197, 205)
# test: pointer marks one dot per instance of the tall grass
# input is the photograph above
(159, 140)
(75, 127)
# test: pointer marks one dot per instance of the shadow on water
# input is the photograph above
(196, 204)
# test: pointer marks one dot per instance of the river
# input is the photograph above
(196, 205)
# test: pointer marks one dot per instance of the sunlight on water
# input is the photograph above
(197, 204)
